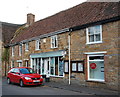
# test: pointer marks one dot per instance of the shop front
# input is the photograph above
(48, 63)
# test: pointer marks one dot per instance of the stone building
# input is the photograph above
(86, 36)
(6, 33)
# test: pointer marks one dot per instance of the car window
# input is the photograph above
(26, 71)
(16, 70)
(11, 71)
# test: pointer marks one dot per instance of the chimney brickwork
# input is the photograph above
(30, 19)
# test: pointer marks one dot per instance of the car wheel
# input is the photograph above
(21, 83)
(8, 81)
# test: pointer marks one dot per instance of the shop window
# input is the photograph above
(96, 67)
(52, 66)
(77, 66)
(61, 69)
(56, 66)
(94, 34)
(54, 42)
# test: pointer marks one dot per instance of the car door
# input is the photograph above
(11, 75)
(16, 75)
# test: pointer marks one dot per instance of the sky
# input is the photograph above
(15, 11)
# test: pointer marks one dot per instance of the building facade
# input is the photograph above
(89, 43)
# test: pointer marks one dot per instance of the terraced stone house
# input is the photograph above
(84, 38)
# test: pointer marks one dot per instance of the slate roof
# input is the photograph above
(87, 12)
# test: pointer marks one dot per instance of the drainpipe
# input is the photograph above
(69, 41)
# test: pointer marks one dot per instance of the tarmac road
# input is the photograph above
(14, 89)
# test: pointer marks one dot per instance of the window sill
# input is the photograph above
(26, 50)
(56, 76)
(99, 81)
(37, 49)
(94, 42)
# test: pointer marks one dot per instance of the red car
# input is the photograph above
(24, 76)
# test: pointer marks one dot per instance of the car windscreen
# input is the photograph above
(26, 71)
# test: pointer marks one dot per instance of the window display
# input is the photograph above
(96, 67)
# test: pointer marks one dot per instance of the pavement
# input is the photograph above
(82, 89)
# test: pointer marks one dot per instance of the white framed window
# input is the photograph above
(54, 42)
(94, 34)
(38, 44)
(13, 50)
(20, 50)
(27, 46)
(96, 67)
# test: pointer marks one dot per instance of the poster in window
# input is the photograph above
(80, 66)
(66, 66)
(74, 67)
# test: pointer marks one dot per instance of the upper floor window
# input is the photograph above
(13, 51)
(54, 42)
(94, 34)
(38, 45)
(20, 50)
(26, 46)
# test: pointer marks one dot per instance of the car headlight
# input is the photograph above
(41, 77)
(27, 78)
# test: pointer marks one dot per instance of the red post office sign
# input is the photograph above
(93, 65)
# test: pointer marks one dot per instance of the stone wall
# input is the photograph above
(110, 44)
(45, 47)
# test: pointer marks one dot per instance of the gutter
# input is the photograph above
(75, 28)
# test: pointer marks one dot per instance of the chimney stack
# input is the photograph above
(30, 19)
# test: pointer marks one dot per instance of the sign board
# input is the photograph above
(93, 65)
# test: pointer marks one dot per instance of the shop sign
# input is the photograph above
(93, 65)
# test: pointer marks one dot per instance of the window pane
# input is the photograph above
(96, 58)
(66, 66)
(74, 67)
(91, 30)
(61, 62)
(52, 66)
(91, 38)
(98, 72)
(43, 67)
(97, 29)
(97, 36)
(80, 67)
